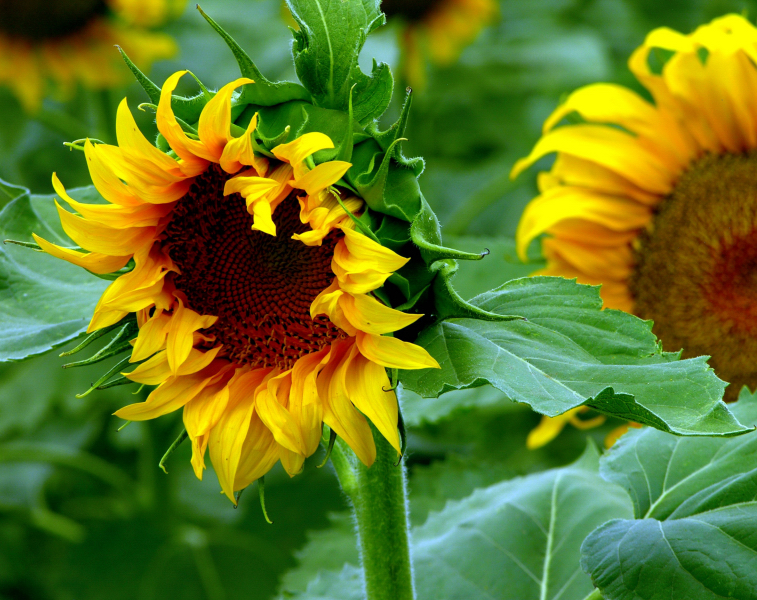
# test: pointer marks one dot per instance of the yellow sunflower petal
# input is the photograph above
(370, 390)
(250, 187)
(323, 176)
(611, 148)
(105, 181)
(259, 453)
(130, 139)
(338, 412)
(181, 329)
(101, 238)
(613, 263)
(359, 283)
(304, 401)
(153, 371)
(152, 336)
(297, 151)
(200, 415)
(394, 353)
(293, 462)
(193, 153)
(93, 261)
(239, 152)
(271, 402)
(228, 436)
(557, 204)
(215, 120)
(570, 170)
(169, 396)
(357, 253)
(368, 314)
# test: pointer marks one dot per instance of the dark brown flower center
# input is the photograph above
(410, 10)
(696, 275)
(45, 19)
(259, 286)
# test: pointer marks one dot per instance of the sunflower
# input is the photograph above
(657, 201)
(69, 41)
(251, 288)
(437, 30)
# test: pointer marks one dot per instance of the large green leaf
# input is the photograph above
(326, 49)
(696, 517)
(515, 540)
(44, 302)
(569, 352)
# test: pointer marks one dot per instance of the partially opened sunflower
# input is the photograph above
(251, 289)
(71, 41)
(657, 201)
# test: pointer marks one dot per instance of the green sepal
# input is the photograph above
(89, 339)
(387, 139)
(32, 245)
(393, 233)
(329, 448)
(386, 187)
(119, 343)
(175, 444)
(152, 90)
(120, 380)
(188, 109)
(123, 363)
(261, 495)
(426, 233)
(449, 304)
(263, 92)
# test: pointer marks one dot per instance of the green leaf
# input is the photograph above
(695, 517)
(326, 48)
(570, 352)
(515, 540)
(44, 302)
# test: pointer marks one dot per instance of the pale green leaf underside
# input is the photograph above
(569, 352)
(695, 503)
(44, 302)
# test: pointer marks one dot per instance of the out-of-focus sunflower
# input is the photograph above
(250, 288)
(657, 201)
(70, 41)
(436, 30)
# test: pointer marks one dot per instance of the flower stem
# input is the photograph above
(379, 501)
(595, 595)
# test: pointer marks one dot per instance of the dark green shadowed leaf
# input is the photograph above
(44, 302)
(570, 352)
(326, 48)
(695, 523)
(515, 540)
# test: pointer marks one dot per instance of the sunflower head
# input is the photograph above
(271, 262)
(71, 41)
(656, 200)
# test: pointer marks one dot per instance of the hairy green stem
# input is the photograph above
(595, 595)
(379, 501)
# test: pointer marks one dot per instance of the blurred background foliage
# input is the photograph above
(85, 512)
